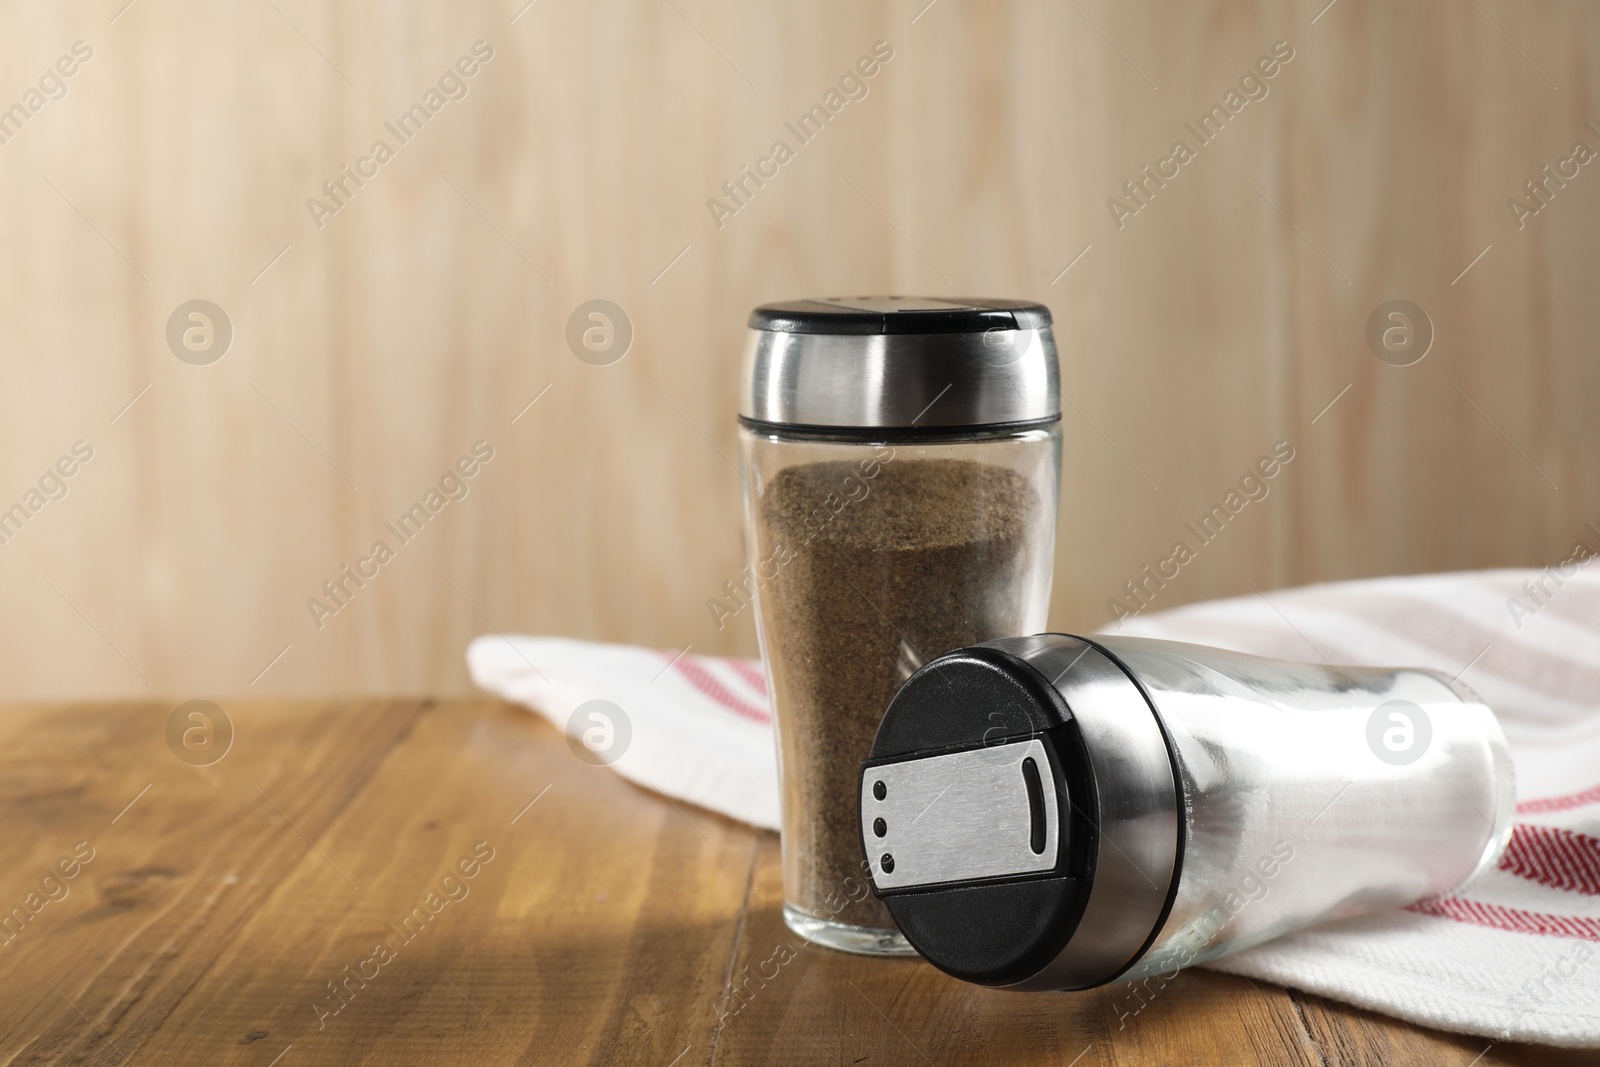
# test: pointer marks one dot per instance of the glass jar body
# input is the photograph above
(866, 560)
(1314, 792)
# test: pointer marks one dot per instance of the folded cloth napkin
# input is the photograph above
(1513, 956)
(694, 727)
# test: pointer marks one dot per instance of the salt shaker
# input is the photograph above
(1057, 812)
(901, 459)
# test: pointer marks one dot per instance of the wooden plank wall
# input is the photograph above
(423, 315)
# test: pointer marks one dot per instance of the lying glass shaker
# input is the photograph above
(1057, 812)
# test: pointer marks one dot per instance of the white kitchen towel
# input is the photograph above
(692, 727)
(1514, 956)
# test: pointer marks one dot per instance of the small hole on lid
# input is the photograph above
(880, 790)
(880, 827)
(886, 861)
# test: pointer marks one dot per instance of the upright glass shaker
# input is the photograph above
(1055, 812)
(901, 460)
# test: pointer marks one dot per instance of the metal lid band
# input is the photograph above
(900, 381)
(1140, 812)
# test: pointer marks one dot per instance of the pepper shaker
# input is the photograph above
(1057, 812)
(901, 459)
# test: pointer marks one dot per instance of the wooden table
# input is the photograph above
(601, 924)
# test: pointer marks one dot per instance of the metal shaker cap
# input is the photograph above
(900, 363)
(1022, 815)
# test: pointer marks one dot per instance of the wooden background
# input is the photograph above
(428, 312)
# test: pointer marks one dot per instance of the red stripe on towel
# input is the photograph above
(707, 683)
(1562, 803)
(1514, 920)
(1551, 856)
(752, 675)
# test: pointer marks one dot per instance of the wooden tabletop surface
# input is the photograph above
(415, 882)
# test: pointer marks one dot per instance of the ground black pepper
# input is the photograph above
(933, 557)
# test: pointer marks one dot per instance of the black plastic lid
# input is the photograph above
(1003, 932)
(898, 315)
(1074, 919)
